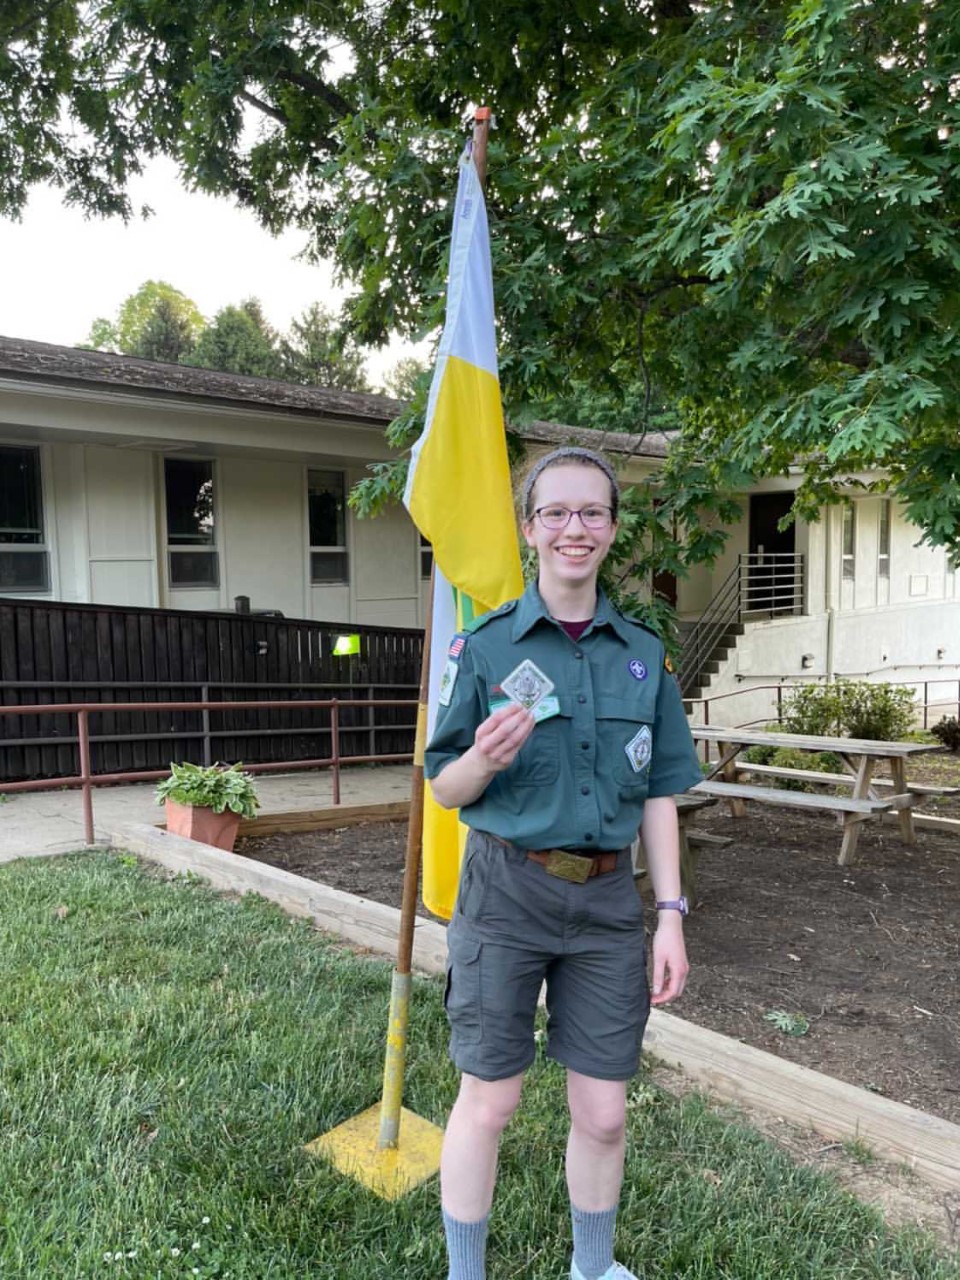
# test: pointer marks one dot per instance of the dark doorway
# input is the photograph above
(773, 583)
(664, 582)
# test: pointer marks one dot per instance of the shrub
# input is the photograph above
(814, 709)
(880, 712)
(791, 758)
(758, 755)
(854, 708)
(948, 731)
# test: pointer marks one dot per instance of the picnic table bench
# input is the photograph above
(870, 796)
(690, 840)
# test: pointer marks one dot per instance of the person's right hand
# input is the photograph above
(502, 734)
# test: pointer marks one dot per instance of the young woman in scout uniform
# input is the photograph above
(561, 732)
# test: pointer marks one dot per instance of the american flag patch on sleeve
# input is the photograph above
(456, 646)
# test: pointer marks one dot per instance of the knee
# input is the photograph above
(489, 1104)
(601, 1120)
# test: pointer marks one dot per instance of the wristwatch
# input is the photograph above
(675, 904)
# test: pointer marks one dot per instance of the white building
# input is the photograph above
(126, 482)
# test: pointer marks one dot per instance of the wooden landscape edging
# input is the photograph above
(724, 1067)
(341, 815)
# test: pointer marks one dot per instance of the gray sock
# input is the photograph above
(466, 1248)
(593, 1240)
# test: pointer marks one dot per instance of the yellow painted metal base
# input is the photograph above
(391, 1172)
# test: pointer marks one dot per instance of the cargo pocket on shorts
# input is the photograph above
(461, 999)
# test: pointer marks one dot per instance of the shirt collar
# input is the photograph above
(531, 610)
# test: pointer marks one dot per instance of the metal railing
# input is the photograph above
(760, 583)
(86, 779)
(205, 733)
(925, 706)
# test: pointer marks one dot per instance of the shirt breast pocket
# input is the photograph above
(538, 760)
(625, 742)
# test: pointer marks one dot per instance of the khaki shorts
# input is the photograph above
(515, 926)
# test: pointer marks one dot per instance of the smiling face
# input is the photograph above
(569, 558)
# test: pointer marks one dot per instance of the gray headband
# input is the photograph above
(569, 453)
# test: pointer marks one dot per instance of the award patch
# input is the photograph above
(447, 681)
(637, 669)
(527, 684)
(639, 749)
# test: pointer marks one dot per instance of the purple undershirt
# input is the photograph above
(574, 629)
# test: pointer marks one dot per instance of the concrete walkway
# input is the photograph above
(51, 822)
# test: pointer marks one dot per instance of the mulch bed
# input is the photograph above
(868, 954)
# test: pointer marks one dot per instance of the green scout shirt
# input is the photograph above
(619, 734)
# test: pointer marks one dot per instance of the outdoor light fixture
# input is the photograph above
(806, 660)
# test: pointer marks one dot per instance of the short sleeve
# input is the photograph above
(457, 721)
(674, 766)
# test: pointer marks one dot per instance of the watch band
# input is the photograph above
(674, 904)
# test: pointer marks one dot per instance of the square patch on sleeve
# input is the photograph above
(639, 749)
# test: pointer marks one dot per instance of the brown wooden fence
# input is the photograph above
(56, 653)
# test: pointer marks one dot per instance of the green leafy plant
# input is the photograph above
(854, 708)
(791, 1024)
(791, 758)
(882, 712)
(813, 709)
(948, 732)
(216, 786)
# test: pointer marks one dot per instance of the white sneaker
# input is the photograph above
(617, 1272)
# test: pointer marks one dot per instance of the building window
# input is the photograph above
(883, 545)
(849, 554)
(192, 554)
(24, 559)
(327, 503)
(426, 558)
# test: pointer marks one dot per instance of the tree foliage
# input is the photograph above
(319, 352)
(156, 322)
(744, 212)
(239, 340)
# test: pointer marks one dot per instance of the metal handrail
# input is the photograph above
(86, 780)
(722, 611)
(741, 593)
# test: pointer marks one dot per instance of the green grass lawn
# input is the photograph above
(165, 1052)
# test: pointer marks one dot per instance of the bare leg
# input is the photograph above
(468, 1164)
(597, 1142)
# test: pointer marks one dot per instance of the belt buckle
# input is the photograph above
(568, 866)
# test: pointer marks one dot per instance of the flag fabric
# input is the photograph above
(459, 494)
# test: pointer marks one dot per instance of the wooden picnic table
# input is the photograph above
(860, 756)
(690, 839)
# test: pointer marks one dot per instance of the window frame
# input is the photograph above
(339, 549)
(884, 526)
(41, 548)
(848, 559)
(177, 548)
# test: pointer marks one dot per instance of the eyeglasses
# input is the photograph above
(590, 517)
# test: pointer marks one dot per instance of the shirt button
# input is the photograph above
(577, 654)
(585, 746)
(589, 837)
(582, 697)
(584, 791)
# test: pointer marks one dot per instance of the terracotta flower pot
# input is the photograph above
(218, 829)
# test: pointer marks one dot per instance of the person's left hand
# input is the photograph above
(670, 966)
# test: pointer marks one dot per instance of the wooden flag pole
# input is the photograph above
(368, 1146)
(395, 1063)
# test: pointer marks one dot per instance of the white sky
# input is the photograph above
(59, 270)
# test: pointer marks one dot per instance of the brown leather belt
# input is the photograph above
(576, 867)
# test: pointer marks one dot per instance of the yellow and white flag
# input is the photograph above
(459, 495)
